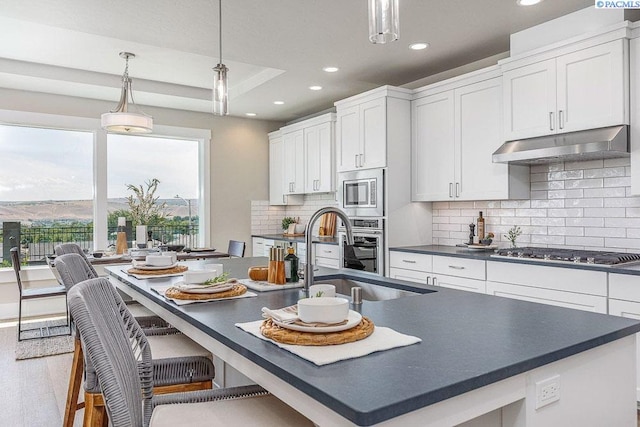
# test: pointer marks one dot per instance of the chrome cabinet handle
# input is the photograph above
(284, 201)
(356, 160)
(560, 119)
(451, 189)
(457, 189)
(456, 267)
(408, 261)
(361, 160)
(428, 279)
(551, 120)
(435, 281)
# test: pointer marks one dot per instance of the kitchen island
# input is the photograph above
(481, 357)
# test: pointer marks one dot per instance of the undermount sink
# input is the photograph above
(370, 291)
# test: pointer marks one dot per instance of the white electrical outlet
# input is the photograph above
(547, 391)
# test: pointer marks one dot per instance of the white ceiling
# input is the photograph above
(274, 49)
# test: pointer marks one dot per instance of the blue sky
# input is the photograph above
(47, 164)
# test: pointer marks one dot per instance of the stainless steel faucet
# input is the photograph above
(308, 268)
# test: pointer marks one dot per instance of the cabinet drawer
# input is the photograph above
(327, 251)
(459, 267)
(460, 283)
(562, 279)
(327, 262)
(624, 287)
(409, 275)
(597, 304)
(411, 261)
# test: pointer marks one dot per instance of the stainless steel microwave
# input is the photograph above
(361, 193)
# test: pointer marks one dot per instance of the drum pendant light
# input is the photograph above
(384, 24)
(121, 120)
(220, 84)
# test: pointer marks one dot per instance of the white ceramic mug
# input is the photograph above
(322, 290)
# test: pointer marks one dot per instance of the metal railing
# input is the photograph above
(39, 242)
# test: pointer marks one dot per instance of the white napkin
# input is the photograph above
(381, 339)
(285, 314)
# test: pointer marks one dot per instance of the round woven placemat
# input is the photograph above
(287, 336)
(176, 293)
(173, 270)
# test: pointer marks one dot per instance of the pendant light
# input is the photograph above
(220, 84)
(383, 21)
(121, 120)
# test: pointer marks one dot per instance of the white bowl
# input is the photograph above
(195, 277)
(158, 260)
(323, 309)
(324, 289)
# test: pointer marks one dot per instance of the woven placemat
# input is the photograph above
(287, 336)
(176, 293)
(173, 270)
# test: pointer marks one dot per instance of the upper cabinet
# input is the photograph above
(302, 160)
(319, 154)
(362, 130)
(456, 127)
(277, 179)
(584, 89)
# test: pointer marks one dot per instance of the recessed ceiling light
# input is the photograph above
(418, 46)
(527, 2)
(278, 102)
(250, 114)
(315, 87)
(330, 69)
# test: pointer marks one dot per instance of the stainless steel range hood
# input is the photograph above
(603, 143)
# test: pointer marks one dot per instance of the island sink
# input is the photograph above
(370, 291)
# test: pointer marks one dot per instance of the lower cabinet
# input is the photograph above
(420, 277)
(327, 255)
(258, 246)
(460, 283)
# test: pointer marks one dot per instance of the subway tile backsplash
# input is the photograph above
(267, 219)
(585, 205)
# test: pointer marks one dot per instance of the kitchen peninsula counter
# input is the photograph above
(479, 354)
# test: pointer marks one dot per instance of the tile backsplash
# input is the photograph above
(583, 205)
(267, 219)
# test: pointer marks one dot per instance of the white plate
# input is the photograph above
(154, 267)
(353, 319)
(107, 258)
(191, 289)
(481, 247)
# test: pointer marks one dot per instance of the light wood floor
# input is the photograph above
(33, 392)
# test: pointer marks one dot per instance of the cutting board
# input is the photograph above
(327, 225)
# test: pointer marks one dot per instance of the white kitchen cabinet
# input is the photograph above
(460, 267)
(258, 246)
(319, 157)
(277, 196)
(585, 89)
(361, 135)
(410, 275)
(293, 162)
(460, 283)
(630, 310)
(454, 134)
(327, 255)
(411, 261)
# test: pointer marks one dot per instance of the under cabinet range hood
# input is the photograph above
(603, 143)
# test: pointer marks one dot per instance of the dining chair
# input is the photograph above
(73, 248)
(35, 293)
(120, 352)
(182, 365)
(236, 248)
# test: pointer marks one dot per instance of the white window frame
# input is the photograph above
(100, 238)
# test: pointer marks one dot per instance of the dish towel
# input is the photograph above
(161, 289)
(381, 339)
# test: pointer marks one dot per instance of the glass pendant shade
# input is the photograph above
(121, 120)
(384, 24)
(220, 91)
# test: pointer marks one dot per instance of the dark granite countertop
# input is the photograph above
(469, 340)
(455, 251)
(330, 240)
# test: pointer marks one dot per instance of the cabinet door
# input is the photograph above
(258, 246)
(460, 283)
(319, 157)
(276, 172)
(347, 138)
(294, 162)
(373, 143)
(530, 100)
(591, 87)
(478, 133)
(410, 276)
(630, 310)
(432, 148)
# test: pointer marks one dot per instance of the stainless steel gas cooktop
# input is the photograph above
(600, 258)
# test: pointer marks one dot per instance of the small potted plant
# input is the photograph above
(512, 235)
(488, 239)
(286, 223)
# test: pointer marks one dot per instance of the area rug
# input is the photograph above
(46, 346)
